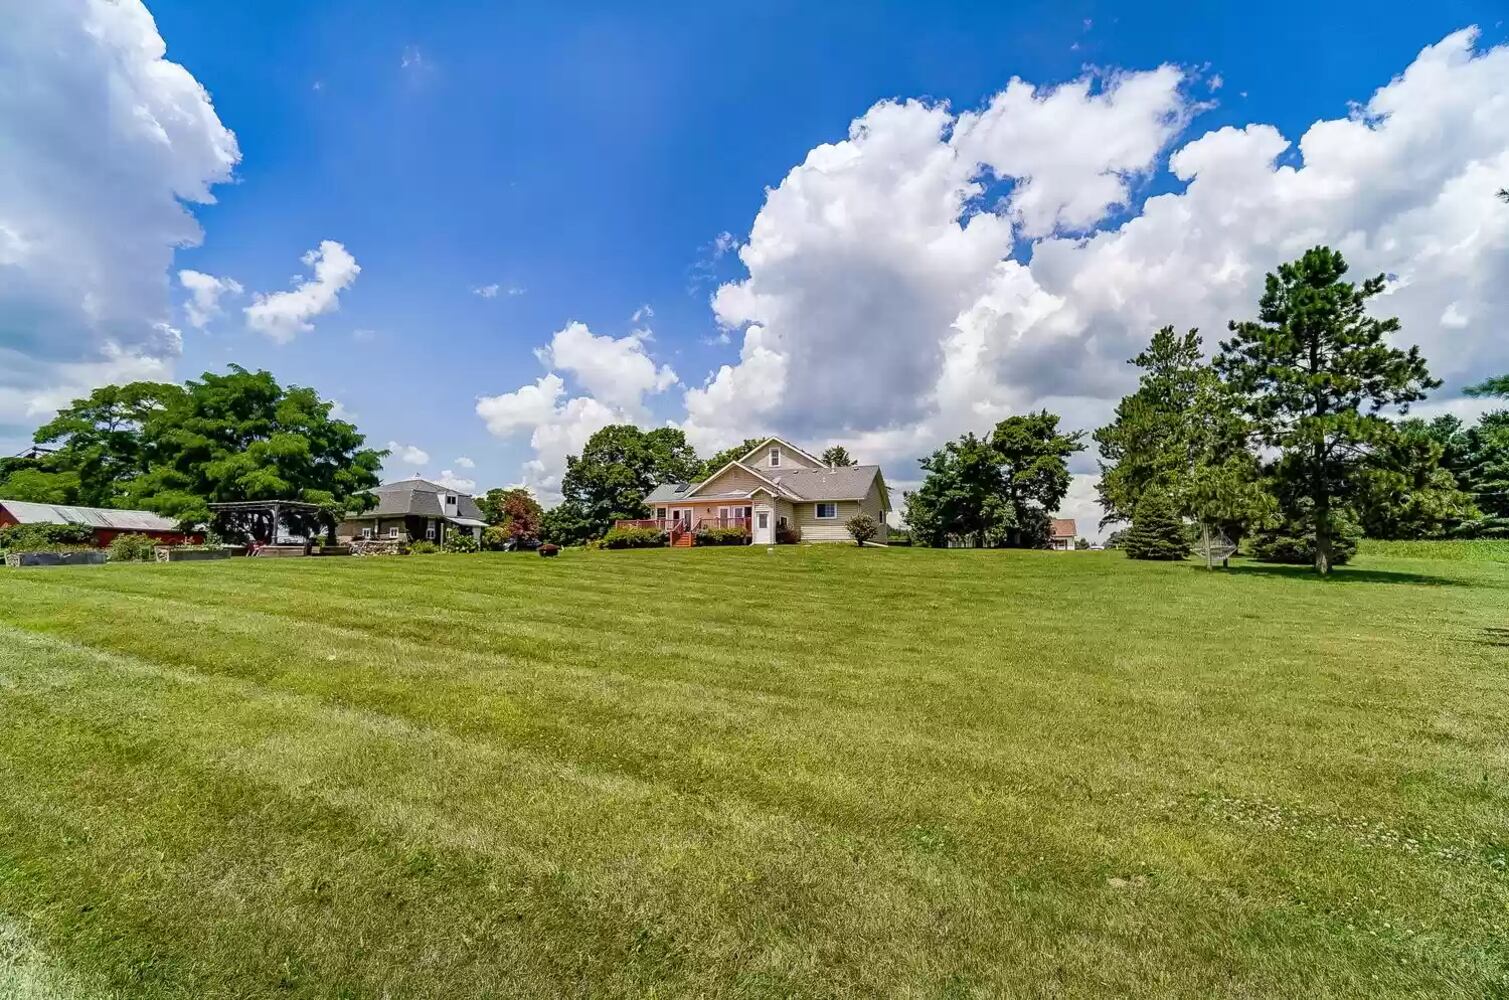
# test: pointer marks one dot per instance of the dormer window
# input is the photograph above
(450, 501)
(775, 457)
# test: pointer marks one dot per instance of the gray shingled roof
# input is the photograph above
(667, 493)
(846, 482)
(419, 497)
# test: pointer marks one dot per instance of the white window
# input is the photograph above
(392, 532)
(429, 529)
(775, 457)
(451, 501)
(366, 532)
(764, 519)
(827, 511)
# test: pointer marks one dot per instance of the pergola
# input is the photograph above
(261, 519)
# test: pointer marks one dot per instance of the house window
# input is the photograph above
(775, 457)
(429, 530)
(450, 501)
(827, 511)
(392, 532)
(660, 513)
(366, 532)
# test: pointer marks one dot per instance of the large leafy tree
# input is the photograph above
(242, 436)
(102, 440)
(1034, 457)
(520, 514)
(618, 466)
(961, 495)
(1000, 490)
(1312, 372)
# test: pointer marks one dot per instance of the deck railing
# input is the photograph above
(741, 523)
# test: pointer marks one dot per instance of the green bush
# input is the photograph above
(633, 538)
(862, 528)
(45, 537)
(715, 535)
(133, 548)
(1157, 531)
(459, 541)
(424, 547)
(494, 538)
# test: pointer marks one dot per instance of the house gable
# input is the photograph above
(735, 478)
(787, 455)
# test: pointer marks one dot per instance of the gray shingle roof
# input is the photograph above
(847, 482)
(667, 493)
(419, 497)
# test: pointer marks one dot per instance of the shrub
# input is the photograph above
(494, 538)
(1157, 530)
(133, 548)
(1292, 542)
(424, 547)
(862, 528)
(718, 535)
(633, 538)
(788, 535)
(460, 541)
(45, 537)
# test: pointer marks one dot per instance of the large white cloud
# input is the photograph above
(284, 315)
(884, 305)
(614, 376)
(105, 140)
(205, 292)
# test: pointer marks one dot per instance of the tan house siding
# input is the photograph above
(790, 460)
(733, 480)
(815, 529)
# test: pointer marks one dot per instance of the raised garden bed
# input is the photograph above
(91, 558)
(176, 553)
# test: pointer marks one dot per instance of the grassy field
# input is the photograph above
(812, 772)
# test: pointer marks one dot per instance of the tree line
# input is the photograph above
(1294, 436)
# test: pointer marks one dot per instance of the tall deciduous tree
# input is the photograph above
(1034, 457)
(242, 436)
(1312, 373)
(103, 438)
(838, 455)
(997, 491)
(617, 468)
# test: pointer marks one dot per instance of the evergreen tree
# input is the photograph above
(1157, 530)
(1406, 491)
(837, 456)
(1312, 373)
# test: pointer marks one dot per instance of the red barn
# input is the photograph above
(104, 523)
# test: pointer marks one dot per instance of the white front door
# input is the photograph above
(764, 526)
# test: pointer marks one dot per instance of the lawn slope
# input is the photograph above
(812, 771)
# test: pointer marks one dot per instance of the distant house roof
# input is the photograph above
(844, 482)
(93, 517)
(1064, 527)
(421, 498)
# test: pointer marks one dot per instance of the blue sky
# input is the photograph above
(586, 163)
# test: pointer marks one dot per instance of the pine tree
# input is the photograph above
(1157, 530)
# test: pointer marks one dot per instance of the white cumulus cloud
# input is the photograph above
(105, 143)
(451, 480)
(408, 454)
(284, 315)
(465, 463)
(205, 291)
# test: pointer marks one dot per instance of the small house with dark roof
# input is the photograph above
(412, 510)
(776, 492)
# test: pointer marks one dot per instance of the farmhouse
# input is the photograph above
(104, 523)
(1061, 534)
(776, 492)
(414, 509)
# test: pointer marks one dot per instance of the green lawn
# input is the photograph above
(720, 772)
